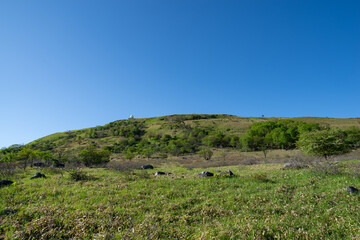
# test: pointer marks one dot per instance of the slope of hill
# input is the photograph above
(120, 136)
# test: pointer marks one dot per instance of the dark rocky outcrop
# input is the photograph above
(227, 173)
(59, 165)
(147, 167)
(4, 183)
(352, 189)
(38, 175)
(7, 211)
(206, 174)
(159, 173)
(39, 164)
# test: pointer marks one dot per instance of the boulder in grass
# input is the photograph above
(227, 173)
(159, 173)
(39, 164)
(352, 189)
(38, 175)
(4, 183)
(289, 165)
(8, 211)
(147, 167)
(59, 165)
(206, 174)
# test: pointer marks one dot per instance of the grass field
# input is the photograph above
(261, 202)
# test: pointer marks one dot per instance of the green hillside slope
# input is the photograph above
(150, 133)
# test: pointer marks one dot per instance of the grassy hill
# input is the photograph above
(120, 201)
(113, 134)
(175, 124)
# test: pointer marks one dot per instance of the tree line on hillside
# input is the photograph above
(89, 156)
(134, 140)
(282, 134)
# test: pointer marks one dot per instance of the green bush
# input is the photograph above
(206, 153)
(91, 156)
(79, 175)
(325, 143)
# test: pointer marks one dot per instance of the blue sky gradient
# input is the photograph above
(73, 64)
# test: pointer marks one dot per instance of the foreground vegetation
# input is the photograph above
(261, 202)
(117, 200)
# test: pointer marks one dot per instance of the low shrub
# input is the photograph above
(79, 175)
(261, 177)
(326, 166)
(300, 161)
(7, 169)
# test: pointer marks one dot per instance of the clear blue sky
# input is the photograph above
(68, 64)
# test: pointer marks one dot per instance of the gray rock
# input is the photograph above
(289, 165)
(206, 174)
(38, 175)
(4, 183)
(147, 167)
(159, 173)
(227, 173)
(352, 189)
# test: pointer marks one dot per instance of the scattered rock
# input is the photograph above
(4, 183)
(59, 165)
(159, 173)
(147, 167)
(8, 211)
(206, 174)
(295, 165)
(289, 165)
(352, 189)
(227, 173)
(38, 175)
(39, 164)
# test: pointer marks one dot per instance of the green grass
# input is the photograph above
(53, 137)
(262, 202)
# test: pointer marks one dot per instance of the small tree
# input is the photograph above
(129, 153)
(46, 156)
(147, 152)
(326, 144)
(26, 155)
(223, 154)
(8, 157)
(206, 153)
(92, 156)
